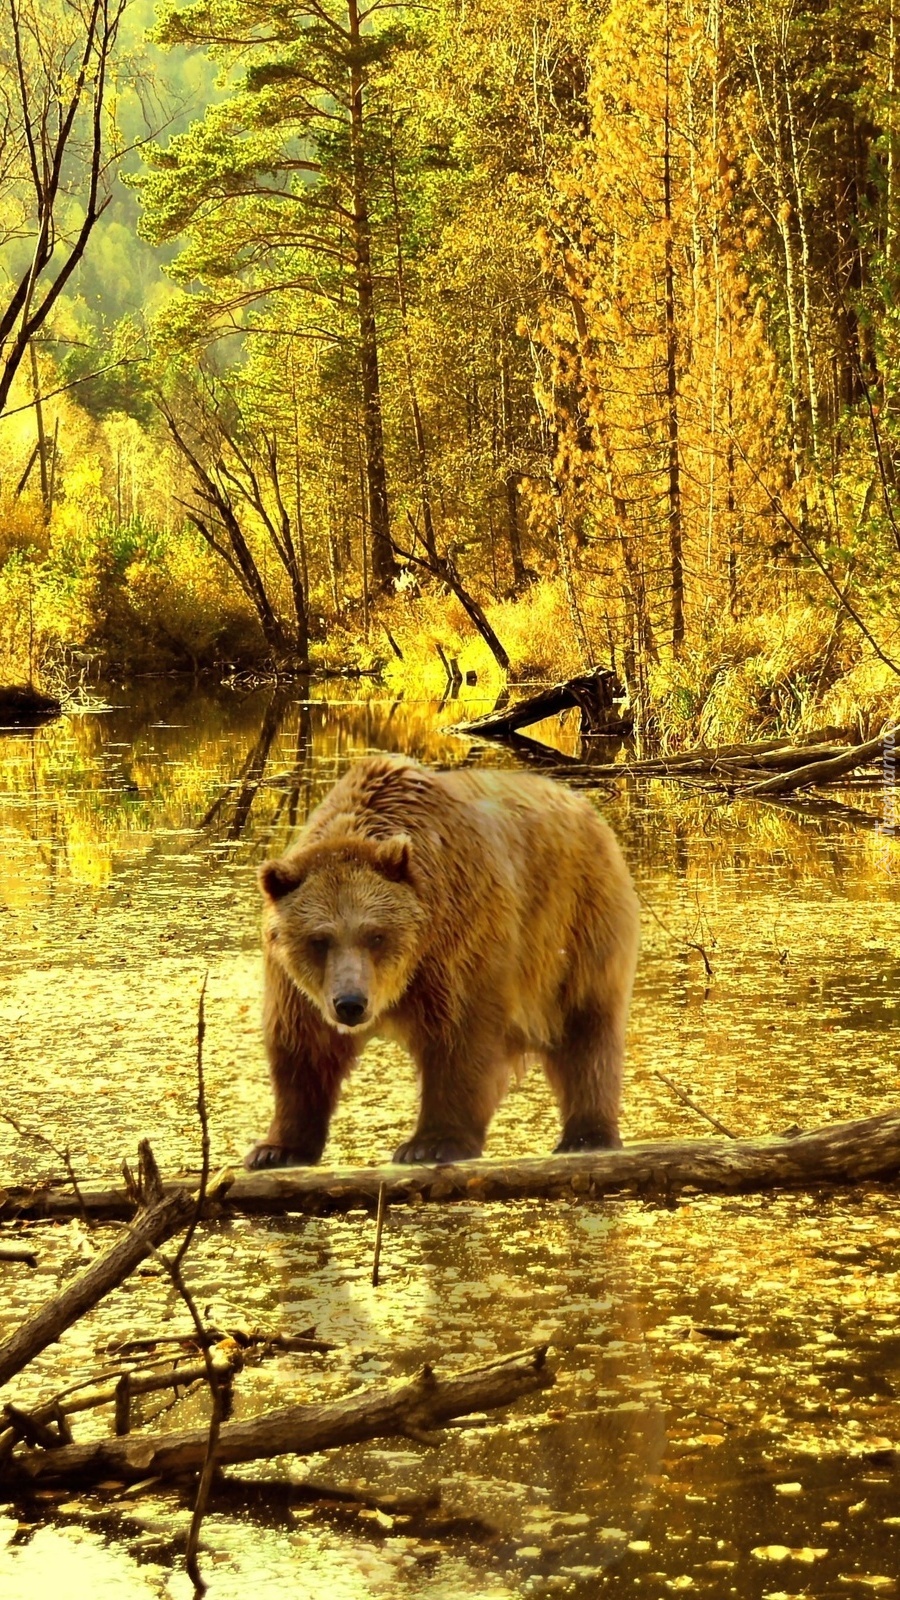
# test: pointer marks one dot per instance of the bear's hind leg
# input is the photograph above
(585, 1070)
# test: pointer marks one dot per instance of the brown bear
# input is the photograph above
(477, 917)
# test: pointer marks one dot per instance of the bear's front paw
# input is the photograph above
(583, 1138)
(437, 1149)
(277, 1155)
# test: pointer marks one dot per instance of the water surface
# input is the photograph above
(758, 1464)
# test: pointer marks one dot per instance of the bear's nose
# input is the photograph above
(350, 1008)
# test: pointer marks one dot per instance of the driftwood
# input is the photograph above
(149, 1229)
(839, 1153)
(594, 694)
(411, 1408)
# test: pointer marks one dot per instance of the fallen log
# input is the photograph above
(728, 762)
(594, 694)
(786, 759)
(414, 1409)
(739, 768)
(823, 771)
(838, 1153)
(150, 1229)
(778, 754)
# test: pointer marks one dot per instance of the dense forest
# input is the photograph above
(548, 335)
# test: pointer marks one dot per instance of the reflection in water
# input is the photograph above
(759, 1463)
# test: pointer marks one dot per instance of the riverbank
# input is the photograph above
(785, 670)
(782, 670)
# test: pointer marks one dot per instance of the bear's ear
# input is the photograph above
(278, 878)
(394, 858)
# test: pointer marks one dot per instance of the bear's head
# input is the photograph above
(344, 919)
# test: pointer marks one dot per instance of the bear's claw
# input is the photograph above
(438, 1151)
(276, 1155)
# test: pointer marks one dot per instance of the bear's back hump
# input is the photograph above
(468, 811)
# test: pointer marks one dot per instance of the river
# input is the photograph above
(756, 1458)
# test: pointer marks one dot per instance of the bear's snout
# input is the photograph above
(350, 1008)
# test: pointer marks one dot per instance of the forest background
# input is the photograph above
(546, 332)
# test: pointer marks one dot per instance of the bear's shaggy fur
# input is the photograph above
(476, 916)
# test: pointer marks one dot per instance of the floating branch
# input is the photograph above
(414, 1409)
(245, 1338)
(692, 1105)
(35, 1426)
(839, 1153)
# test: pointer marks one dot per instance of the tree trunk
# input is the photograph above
(418, 425)
(731, 499)
(562, 545)
(384, 567)
(511, 481)
(41, 433)
(236, 552)
(298, 485)
(805, 269)
(891, 197)
(287, 549)
(676, 555)
(772, 113)
(244, 565)
(639, 644)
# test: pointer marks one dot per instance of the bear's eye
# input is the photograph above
(375, 941)
(319, 946)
